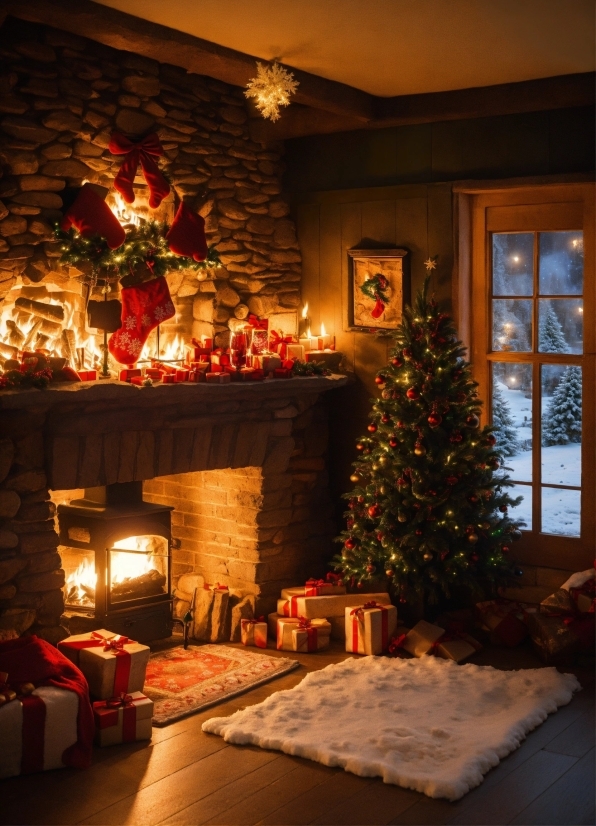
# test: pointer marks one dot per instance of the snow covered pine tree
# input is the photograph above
(563, 420)
(427, 510)
(504, 426)
(550, 333)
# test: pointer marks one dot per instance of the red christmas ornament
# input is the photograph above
(385, 418)
(380, 536)
(350, 523)
(372, 428)
(360, 500)
(503, 508)
(491, 439)
(359, 585)
(473, 498)
(473, 421)
(412, 393)
(400, 425)
(350, 543)
(402, 482)
(379, 380)
(418, 532)
(370, 569)
(359, 446)
(407, 353)
(473, 538)
(393, 443)
(435, 419)
(456, 436)
(419, 449)
(374, 511)
(396, 361)
(506, 549)
(452, 480)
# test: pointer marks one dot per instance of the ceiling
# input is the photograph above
(394, 47)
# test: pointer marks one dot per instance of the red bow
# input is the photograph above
(396, 643)
(257, 323)
(303, 622)
(361, 608)
(280, 342)
(115, 643)
(335, 579)
(143, 151)
(122, 699)
(314, 583)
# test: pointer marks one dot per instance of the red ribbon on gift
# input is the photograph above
(109, 717)
(312, 634)
(279, 344)
(334, 579)
(358, 615)
(144, 152)
(311, 587)
(396, 643)
(257, 323)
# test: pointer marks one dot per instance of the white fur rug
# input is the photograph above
(427, 724)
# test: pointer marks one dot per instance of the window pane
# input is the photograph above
(560, 325)
(561, 401)
(512, 325)
(561, 511)
(561, 263)
(513, 263)
(512, 417)
(523, 511)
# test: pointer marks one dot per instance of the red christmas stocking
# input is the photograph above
(145, 151)
(90, 215)
(186, 236)
(143, 308)
(379, 308)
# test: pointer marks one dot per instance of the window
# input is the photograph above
(533, 356)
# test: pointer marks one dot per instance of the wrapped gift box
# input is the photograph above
(457, 647)
(72, 646)
(582, 587)
(316, 634)
(369, 627)
(44, 746)
(504, 620)
(421, 639)
(253, 632)
(333, 605)
(116, 667)
(123, 719)
(557, 640)
(314, 588)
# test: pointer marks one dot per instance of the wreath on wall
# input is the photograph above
(376, 288)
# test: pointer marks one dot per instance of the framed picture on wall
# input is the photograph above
(375, 289)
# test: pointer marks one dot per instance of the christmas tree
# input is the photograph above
(504, 426)
(427, 510)
(563, 420)
(550, 333)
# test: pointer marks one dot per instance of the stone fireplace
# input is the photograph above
(243, 466)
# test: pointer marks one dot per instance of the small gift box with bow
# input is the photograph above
(254, 632)
(123, 719)
(316, 588)
(558, 638)
(303, 635)
(72, 646)
(582, 587)
(504, 621)
(111, 666)
(369, 627)
(422, 638)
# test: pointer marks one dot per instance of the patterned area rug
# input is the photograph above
(182, 682)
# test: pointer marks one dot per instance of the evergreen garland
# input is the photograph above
(310, 368)
(375, 288)
(427, 511)
(144, 254)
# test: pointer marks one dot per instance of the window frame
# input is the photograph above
(479, 213)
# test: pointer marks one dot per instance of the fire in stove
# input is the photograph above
(137, 568)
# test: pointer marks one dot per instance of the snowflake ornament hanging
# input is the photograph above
(271, 88)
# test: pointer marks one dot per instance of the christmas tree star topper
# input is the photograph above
(431, 263)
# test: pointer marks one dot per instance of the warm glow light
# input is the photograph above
(512, 379)
(323, 330)
(516, 258)
(123, 211)
(305, 311)
(580, 310)
(83, 581)
(309, 334)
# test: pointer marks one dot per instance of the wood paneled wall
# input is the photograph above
(417, 218)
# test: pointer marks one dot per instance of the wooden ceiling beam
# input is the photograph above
(560, 92)
(133, 34)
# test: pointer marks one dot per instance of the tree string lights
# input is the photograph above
(271, 88)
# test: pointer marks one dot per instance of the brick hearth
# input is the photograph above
(243, 465)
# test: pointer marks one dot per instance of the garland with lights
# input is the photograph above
(145, 253)
(310, 368)
(428, 511)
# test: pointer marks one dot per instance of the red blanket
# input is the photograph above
(29, 659)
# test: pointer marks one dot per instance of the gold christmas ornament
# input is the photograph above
(271, 88)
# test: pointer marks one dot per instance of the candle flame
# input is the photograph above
(305, 310)
(323, 330)
(309, 334)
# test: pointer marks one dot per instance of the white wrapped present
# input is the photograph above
(314, 634)
(370, 627)
(123, 719)
(333, 605)
(253, 632)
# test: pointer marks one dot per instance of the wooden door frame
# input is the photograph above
(470, 302)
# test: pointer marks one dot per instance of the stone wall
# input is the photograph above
(244, 467)
(60, 98)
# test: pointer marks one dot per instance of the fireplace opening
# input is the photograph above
(116, 555)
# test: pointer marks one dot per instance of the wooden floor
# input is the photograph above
(186, 777)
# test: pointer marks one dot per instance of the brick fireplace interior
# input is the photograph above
(244, 468)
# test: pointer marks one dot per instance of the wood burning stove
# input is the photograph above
(116, 553)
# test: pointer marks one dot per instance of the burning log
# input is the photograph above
(8, 351)
(51, 312)
(15, 336)
(41, 341)
(50, 328)
(69, 345)
(32, 334)
(146, 585)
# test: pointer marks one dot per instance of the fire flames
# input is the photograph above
(131, 571)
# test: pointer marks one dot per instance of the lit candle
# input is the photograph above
(304, 324)
(324, 340)
(309, 342)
